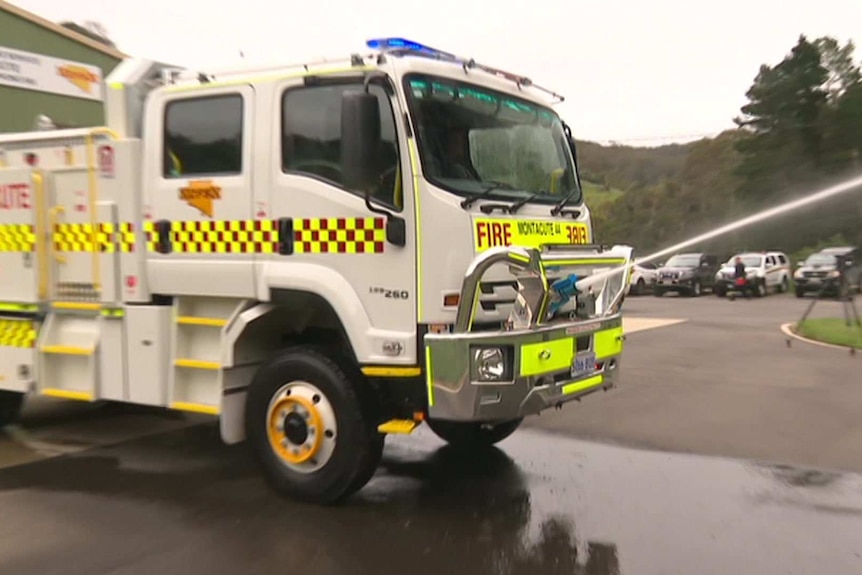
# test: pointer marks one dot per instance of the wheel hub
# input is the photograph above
(295, 428)
(301, 427)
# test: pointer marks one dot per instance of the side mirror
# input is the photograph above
(360, 139)
(361, 145)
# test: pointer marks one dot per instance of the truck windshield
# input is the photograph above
(472, 139)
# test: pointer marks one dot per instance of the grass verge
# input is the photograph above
(831, 330)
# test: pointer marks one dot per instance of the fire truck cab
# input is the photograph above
(320, 255)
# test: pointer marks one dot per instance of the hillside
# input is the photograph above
(800, 131)
(625, 167)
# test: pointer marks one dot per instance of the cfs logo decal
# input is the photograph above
(200, 195)
(79, 76)
(490, 233)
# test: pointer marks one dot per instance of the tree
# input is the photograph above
(783, 148)
(843, 73)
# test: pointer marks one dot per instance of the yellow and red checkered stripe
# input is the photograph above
(17, 333)
(109, 237)
(310, 236)
(218, 237)
(17, 238)
(340, 235)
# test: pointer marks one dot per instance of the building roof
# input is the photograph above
(62, 31)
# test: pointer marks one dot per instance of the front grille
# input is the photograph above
(493, 295)
(815, 274)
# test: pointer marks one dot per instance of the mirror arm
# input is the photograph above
(372, 208)
(370, 77)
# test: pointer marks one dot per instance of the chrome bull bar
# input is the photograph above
(609, 271)
(545, 356)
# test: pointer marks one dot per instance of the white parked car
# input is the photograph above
(770, 271)
(643, 277)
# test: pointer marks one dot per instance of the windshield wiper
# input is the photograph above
(559, 207)
(519, 204)
(466, 203)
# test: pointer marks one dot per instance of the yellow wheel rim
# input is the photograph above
(287, 450)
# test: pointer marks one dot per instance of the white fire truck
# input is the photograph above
(320, 255)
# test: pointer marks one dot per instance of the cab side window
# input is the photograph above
(203, 136)
(311, 138)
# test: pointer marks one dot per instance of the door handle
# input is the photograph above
(53, 215)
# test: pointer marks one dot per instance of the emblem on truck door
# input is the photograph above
(200, 194)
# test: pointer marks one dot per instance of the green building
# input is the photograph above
(50, 72)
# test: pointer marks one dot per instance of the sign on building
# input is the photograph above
(30, 71)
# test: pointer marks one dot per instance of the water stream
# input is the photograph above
(852, 184)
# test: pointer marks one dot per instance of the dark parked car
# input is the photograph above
(820, 271)
(687, 274)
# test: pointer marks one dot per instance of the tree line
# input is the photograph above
(800, 131)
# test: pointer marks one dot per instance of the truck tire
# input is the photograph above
(11, 403)
(312, 424)
(470, 434)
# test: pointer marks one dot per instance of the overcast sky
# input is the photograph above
(640, 72)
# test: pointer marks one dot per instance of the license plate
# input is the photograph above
(584, 363)
(814, 280)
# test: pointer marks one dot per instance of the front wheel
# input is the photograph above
(696, 289)
(311, 423)
(11, 403)
(473, 434)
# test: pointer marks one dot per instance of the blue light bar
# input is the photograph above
(402, 44)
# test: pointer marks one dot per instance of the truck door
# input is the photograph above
(198, 191)
(339, 246)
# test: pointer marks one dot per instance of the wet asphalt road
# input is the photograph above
(128, 491)
(181, 503)
(723, 382)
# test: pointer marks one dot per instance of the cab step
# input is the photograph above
(399, 426)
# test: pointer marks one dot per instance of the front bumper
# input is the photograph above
(674, 284)
(816, 284)
(547, 361)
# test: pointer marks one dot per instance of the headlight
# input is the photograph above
(797, 274)
(833, 274)
(491, 364)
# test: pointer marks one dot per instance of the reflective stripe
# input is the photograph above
(547, 356)
(17, 238)
(217, 237)
(414, 167)
(109, 237)
(388, 371)
(429, 378)
(609, 342)
(310, 236)
(17, 333)
(340, 235)
(582, 385)
(19, 307)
